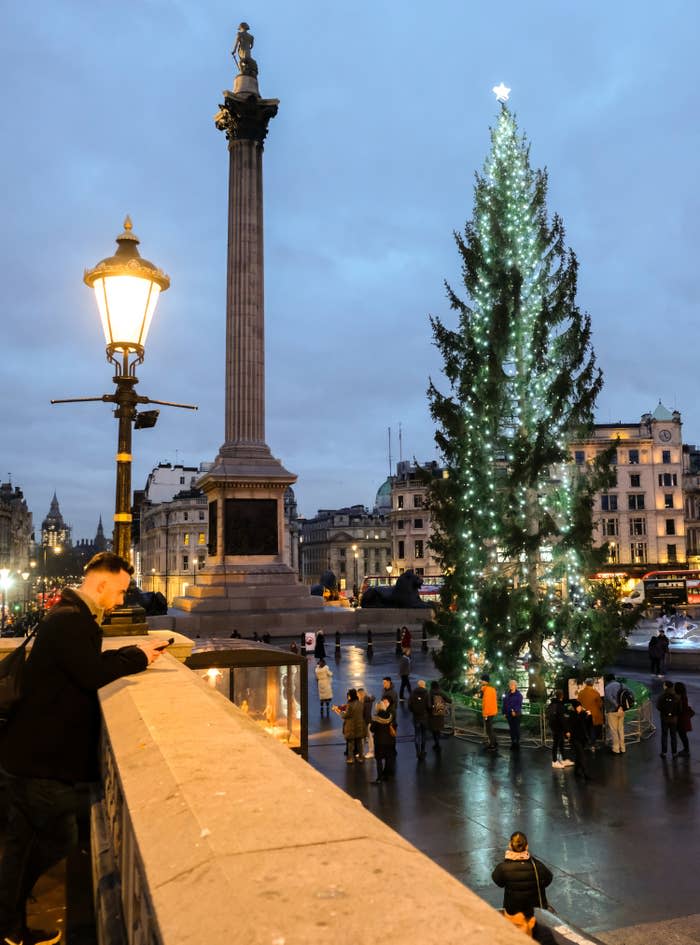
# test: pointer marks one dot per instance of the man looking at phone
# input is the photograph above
(49, 743)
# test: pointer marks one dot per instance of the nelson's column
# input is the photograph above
(246, 584)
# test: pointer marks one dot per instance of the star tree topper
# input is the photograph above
(501, 92)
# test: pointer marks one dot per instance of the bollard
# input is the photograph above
(303, 643)
(370, 645)
(424, 640)
(337, 644)
(398, 641)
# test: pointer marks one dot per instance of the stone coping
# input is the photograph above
(181, 648)
(241, 841)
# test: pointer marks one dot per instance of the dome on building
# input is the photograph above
(383, 500)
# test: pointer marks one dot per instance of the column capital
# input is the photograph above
(245, 117)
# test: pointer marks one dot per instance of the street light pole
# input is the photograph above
(127, 288)
(25, 578)
(4, 583)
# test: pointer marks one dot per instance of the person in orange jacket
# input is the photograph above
(489, 710)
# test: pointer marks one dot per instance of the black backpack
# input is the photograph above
(11, 677)
(625, 698)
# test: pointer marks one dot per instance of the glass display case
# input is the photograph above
(267, 683)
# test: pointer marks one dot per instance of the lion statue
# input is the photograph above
(403, 594)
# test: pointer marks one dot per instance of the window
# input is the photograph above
(400, 525)
(342, 552)
(668, 500)
(634, 480)
(638, 550)
(182, 480)
(201, 539)
(185, 562)
(399, 501)
(419, 548)
(417, 501)
(402, 546)
(608, 503)
(201, 561)
(579, 457)
(417, 522)
(666, 457)
(419, 571)
(634, 457)
(186, 539)
(185, 516)
(638, 526)
(613, 554)
(670, 526)
(201, 516)
(613, 458)
(668, 479)
(635, 501)
(609, 526)
(671, 552)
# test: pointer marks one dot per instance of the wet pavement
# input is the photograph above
(622, 848)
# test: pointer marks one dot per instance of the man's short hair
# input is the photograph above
(108, 561)
(386, 679)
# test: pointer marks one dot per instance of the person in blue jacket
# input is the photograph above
(513, 709)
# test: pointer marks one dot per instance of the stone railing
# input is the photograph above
(209, 830)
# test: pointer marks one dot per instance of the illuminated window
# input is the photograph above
(639, 552)
(419, 548)
(186, 539)
(201, 539)
(399, 501)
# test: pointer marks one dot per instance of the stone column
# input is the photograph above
(244, 117)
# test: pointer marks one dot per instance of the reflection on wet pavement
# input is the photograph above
(622, 849)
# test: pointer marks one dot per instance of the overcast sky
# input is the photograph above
(384, 116)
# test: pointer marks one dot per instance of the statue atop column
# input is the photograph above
(241, 51)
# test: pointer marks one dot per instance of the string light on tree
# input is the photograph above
(513, 528)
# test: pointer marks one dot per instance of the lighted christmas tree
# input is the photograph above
(512, 518)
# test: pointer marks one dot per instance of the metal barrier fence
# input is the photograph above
(466, 721)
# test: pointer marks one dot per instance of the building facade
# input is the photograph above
(352, 542)
(641, 519)
(410, 520)
(15, 528)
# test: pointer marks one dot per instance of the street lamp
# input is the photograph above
(4, 584)
(57, 549)
(389, 569)
(127, 288)
(354, 586)
(25, 578)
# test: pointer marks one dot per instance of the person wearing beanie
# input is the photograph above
(489, 710)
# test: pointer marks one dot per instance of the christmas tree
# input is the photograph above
(512, 517)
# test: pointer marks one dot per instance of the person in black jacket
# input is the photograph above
(49, 743)
(578, 729)
(419, 704)
(384, 741)
(523, 878)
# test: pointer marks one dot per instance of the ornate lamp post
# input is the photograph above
(127, 288)
(355, 588)
(57, 549)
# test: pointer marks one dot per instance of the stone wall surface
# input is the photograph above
(229, 837)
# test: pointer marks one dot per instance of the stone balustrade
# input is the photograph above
(217, 833)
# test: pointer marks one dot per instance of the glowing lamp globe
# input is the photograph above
(127, 288)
